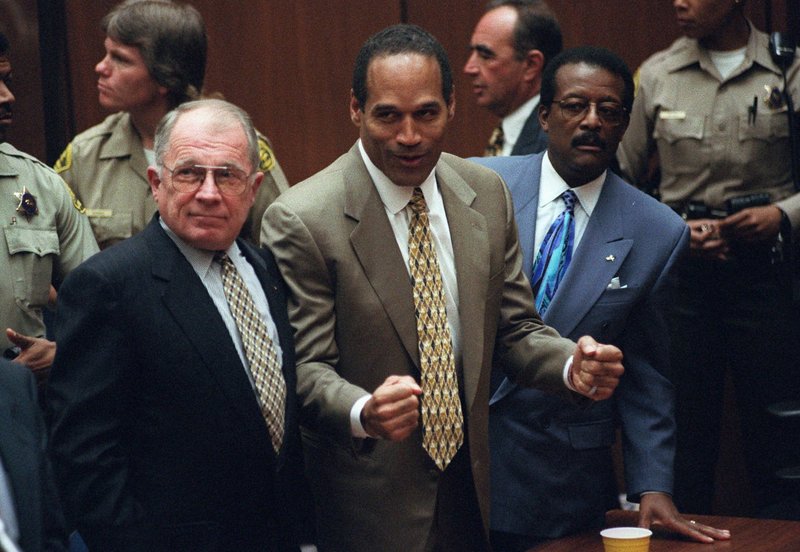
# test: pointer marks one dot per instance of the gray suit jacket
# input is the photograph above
(352, 309)
(551, 465)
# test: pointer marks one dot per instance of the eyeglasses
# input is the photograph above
(230, 181)
(575, 109)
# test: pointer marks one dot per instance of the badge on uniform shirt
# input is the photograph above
(27, 203)
(773, 97)
(266, 159)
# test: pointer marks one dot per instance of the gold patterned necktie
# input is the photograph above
(496, 142)
(442, 420)
(265, 366)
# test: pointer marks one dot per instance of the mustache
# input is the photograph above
(589, 139)
(5, 109)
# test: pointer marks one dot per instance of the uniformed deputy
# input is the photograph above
(711, 106)
(155, 59)
(44, 235)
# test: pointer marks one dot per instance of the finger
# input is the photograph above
(20, 340)
(405, 380)
(588, 346)
(608, 353)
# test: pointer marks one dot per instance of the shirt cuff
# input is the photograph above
(356, 428)
(567, 380)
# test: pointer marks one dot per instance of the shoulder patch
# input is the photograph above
(65, 162)
(75, 201)
(266, 159)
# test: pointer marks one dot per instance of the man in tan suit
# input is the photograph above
(392, 469)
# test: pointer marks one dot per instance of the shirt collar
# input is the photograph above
(200, 259)
(395, 198)
(515, 121)
(552, 186)
(689, 52)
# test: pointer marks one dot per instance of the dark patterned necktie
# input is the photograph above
(265, 366)
(442, 420)
(496, 142)
(554, 255)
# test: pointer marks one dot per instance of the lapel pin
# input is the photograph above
(611, 258)
(27, 203)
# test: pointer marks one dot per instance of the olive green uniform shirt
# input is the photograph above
(107, 169)
(40, 244)
(712, 144)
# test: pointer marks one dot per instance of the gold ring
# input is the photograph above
(705, 227)
(693, 522)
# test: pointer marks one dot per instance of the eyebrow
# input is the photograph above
(483, 49)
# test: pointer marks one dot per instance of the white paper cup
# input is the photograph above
(626, 539)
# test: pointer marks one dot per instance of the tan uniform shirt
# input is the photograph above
(106, 167)
(711, 147)
(38, 249)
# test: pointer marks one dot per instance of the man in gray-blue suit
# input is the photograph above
(552, 470)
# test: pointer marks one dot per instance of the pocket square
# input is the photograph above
(615, 284)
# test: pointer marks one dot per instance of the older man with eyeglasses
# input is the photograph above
(172, 398)
(599, 254)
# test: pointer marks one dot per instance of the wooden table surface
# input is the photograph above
(747, 535)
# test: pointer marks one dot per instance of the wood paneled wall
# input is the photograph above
(289, 63)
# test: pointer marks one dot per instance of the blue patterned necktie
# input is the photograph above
(554, 255)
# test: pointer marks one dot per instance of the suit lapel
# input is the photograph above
(597, 259)
(376, 248)
(471, 252)
(525, 191)
(532, 139)
(193, 310)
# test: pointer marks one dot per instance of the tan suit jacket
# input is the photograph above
(353, 315)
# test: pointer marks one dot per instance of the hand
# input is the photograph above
(657, 509)
(706, 240)
(392, 412)
(754, 224)
(596, 369)
(37, 353)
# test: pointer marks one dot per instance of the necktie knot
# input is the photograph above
(417, 202)
(222, 258)
(570, 199)
(496, 142)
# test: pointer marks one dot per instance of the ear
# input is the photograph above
(451, 104)
(155, 181)
(544, 113)
(355, 110)
(534, 65)
(259, 177)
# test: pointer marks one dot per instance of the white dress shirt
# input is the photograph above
(514, 122)
(395, 201)
(551, 186)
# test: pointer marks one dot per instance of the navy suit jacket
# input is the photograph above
(23, 450)
(157, 437)
(532, 139)
(552, 472)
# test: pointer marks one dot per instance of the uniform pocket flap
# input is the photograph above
(673, 130)
(40, 241)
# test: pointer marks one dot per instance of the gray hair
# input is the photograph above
(225, 115)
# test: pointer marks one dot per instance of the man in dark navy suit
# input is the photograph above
(511, 45)
(173, 427)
